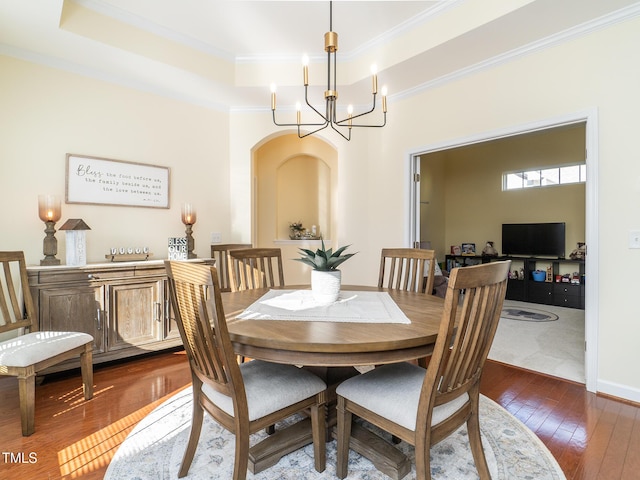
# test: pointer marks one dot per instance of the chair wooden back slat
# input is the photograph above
(195, 296)
(16, 305)
(220, 252)
(404, 269)
(467, 329)
(252, 268)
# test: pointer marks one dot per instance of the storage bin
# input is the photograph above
(539, 275)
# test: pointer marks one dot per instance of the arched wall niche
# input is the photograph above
(294, 180)
(303, 189)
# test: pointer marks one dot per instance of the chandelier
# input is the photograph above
(329, 118)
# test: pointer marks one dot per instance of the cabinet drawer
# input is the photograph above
(79, 276)
(570, 301)
(58, 277)
(566, 289)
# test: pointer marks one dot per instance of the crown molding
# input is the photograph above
(154, 28)
(577, 31)
(95, 74)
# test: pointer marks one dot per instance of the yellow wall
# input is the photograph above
(47, 113)
(433, 202)
(303, 196)
(576, 77)
(474, 206)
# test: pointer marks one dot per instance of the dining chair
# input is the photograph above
(30, 351)
(251, 268)
(241, 398)
(407, 269)
(220, 253)
(424, 406)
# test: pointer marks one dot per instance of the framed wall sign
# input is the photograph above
(103, 181)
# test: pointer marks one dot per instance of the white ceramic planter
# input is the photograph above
(325, 285)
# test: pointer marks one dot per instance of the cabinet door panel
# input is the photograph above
(135, 314)
(540, 292)
(75, 309)
(515, 290)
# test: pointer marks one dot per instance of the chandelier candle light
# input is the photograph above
(49, 212)
(189, 218)
(329, 118)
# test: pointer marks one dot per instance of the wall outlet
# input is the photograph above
(216, 237)
(634, 238)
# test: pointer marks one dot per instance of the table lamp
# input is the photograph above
(49, 212)
(189, 218)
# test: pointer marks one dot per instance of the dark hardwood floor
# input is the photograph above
(591, 436)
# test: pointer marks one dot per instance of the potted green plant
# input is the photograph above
(325, 276)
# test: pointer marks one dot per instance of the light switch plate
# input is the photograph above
(216, 237)
(634, 238)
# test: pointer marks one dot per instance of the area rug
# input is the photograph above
(154, 449)
(528, 314)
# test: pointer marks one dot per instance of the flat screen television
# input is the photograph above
(534, 239)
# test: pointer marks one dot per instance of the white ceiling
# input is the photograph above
(224, 54)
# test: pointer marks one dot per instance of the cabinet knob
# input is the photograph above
(91, 276)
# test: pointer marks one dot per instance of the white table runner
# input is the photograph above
(351, 306)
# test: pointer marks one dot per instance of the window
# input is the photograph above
(545, 177)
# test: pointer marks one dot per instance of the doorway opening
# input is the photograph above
(589, 120)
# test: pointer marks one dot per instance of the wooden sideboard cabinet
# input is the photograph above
(124, 306)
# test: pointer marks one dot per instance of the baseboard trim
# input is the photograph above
(619, 391)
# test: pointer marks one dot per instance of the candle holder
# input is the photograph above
(49, 212)
(189, 218)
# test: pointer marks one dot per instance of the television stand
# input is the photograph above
(526, 289)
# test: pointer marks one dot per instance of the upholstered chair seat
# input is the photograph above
(269, 387)
(393, 392)
(36, 347)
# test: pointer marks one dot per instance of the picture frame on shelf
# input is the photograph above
(456, 250)
(468, 249)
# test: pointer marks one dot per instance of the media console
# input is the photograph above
(525, 288)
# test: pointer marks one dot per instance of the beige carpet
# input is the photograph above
(555, 348)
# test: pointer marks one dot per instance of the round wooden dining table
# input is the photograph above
(330, 343)
(331, 349)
